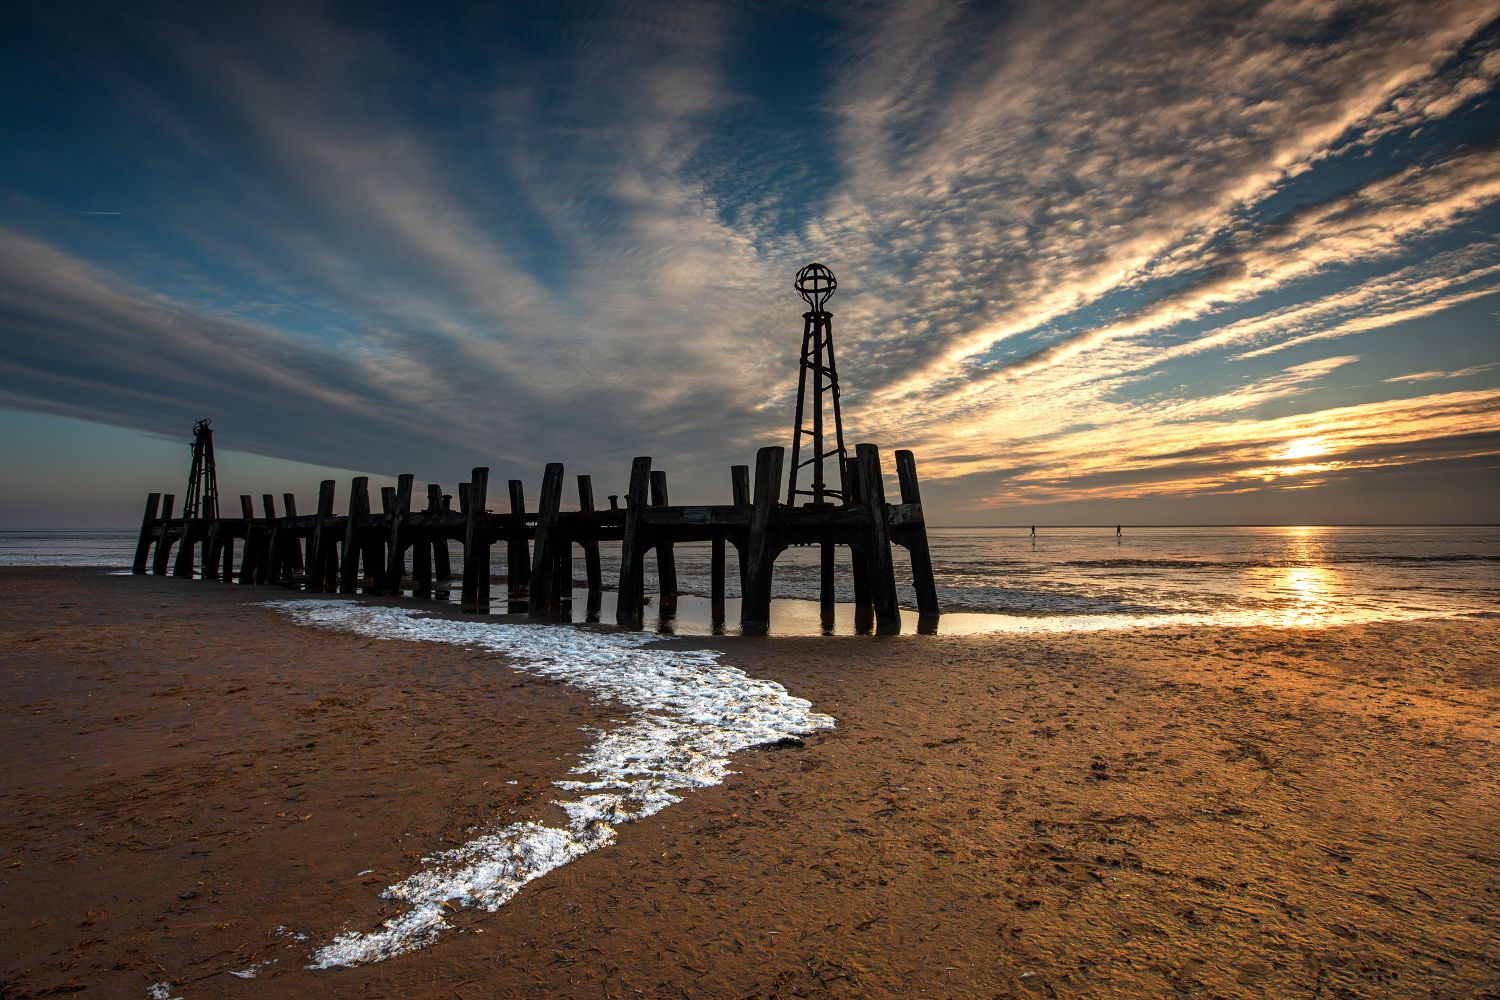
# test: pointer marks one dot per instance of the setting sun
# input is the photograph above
(1308, 447)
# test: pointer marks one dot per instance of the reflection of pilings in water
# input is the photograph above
(365, 551)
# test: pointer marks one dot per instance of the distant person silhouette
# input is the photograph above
(1033, 531)
(1117, 531)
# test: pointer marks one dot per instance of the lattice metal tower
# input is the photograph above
(203, 480)
(816, 284)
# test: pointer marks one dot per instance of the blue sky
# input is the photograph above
(1097, 262)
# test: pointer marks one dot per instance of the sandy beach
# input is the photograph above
(196, 785)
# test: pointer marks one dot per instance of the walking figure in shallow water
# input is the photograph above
(1033, 531)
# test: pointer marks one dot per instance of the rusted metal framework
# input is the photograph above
(202, 497)
(816, 284)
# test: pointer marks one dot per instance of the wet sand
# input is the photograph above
(192, 781)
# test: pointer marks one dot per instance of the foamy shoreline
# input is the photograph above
(689, 714)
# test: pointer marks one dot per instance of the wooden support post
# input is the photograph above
(463, 498)
(143, 542)
(293, 550)
(476, 590)
(590, 544)
(442, 569)
(916, 538)
(211, 548)
(226, 569)
(251, 551)
(441, 561)
(716, 581)
(322, 562)
(825, 585)
(545, 583)
(311, 562)
(614, 501)
(387, 500)
(739, 482)
(267, 569)
(359, 506)
(183, 565)
(206, 568)
(517, 555)
(755, 602)
(163, 542)
(878, 559)
(395, 567)
(864, 609)
(666, 558)
(629, 610)
(561, 604)
(421, 569)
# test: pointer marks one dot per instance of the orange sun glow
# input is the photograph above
(1308, 447)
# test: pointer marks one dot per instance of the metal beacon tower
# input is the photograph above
(202, 497)
(816, 284)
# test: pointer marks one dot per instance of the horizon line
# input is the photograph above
(1019, 527)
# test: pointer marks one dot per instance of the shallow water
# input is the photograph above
(1065, 579)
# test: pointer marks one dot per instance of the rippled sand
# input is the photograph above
(199, 788)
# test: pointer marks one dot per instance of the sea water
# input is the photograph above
(1063, 579)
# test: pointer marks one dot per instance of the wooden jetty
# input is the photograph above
(365, 549)
(362, 551)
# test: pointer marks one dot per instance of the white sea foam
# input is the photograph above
(252, 970)
(688, 714)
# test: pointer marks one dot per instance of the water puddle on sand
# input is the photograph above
(688, 714)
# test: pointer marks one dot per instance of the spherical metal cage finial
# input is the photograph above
(815, 283)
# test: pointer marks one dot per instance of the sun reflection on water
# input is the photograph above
(1305, 579)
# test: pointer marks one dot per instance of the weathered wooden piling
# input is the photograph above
(666, 556)
(359, 510)
(211, 548)
(148, 525)
(739, 482)
(880, 567)
(864, 608)
(437, 503)
(395, 567)
(295, 565)
(265, 568)
(629, 600)
(589, 543)
(183, 565)
(250, 551)
(323, 558)
(915, 541)
(716, 581)
(476, 588)
(164, 536)
(547, 583)
(755, 602)
(517, 555)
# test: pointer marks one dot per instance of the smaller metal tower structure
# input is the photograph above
(203, 481)
(816, 284)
